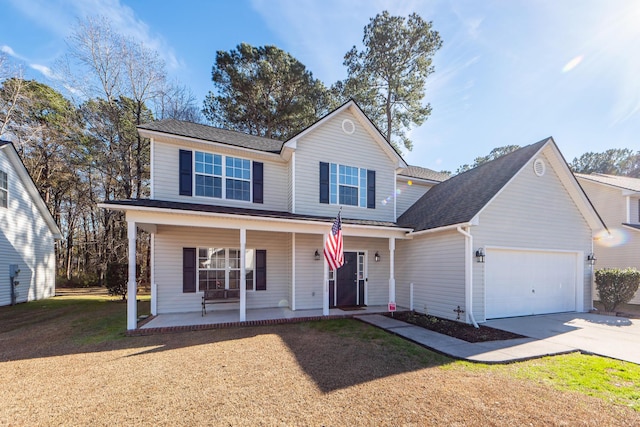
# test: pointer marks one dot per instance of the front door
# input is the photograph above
(347, 281)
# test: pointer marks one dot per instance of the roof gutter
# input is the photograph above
(468, 274)
(440, 229)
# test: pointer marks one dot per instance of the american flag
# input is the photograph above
(333, 246)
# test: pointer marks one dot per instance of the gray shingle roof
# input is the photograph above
(196, 207)
(4, 143)
(458, 199)
(424, 173)
(625, 182)
(213, 134)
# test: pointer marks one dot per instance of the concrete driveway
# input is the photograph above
(616, 337)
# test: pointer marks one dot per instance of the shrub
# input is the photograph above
(116, 279)
(616, 286)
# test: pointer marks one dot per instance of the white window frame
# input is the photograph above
(334, 185)
(223, 176)
(4, 188)
(250, 262)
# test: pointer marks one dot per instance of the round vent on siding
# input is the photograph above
(539, 167)
(348, 127)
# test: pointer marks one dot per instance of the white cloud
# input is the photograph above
(46, 71)
(7, 49)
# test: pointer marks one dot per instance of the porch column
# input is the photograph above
(293, 272)
(392, 263)
(152, 277)
(132, 308)
(243, 275)
(325, 280)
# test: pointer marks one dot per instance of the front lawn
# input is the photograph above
(65, 361)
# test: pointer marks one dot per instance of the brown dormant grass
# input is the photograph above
(324, 373)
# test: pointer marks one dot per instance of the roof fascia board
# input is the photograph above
(28, 183)
(452, 227)
(145, 213)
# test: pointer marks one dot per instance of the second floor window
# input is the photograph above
(4, 190)
(213, 180)
(348, 185)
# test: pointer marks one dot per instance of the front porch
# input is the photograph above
(227, 318)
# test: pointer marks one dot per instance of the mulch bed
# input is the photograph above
(454, 329)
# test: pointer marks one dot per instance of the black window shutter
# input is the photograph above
(324, 182)
(186, 179)
(371, 189)
(261, 270)
(258, 186)
(188, 269)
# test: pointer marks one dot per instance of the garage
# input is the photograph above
(527, 282)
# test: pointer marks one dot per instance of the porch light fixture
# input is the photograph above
(480, 255)
(316, 256)
(377, 257)
(592, 258)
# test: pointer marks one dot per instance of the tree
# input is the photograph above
(9, 100)
(388, 77)
(615, 161)
(264, 91)
(494, 154)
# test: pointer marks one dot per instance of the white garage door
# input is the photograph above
(522, 283)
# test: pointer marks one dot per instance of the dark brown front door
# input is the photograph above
(347, 281)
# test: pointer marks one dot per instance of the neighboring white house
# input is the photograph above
(617, 199)
(234, 211)
(27, 234)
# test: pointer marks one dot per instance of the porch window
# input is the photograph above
(4, 190)
(219, 268)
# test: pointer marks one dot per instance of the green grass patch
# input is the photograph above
(608, 379)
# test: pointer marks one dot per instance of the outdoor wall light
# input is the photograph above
(377, 257)
(480, 255)
(316, 256)
(592, 258)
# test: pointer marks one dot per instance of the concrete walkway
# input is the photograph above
(553, 334)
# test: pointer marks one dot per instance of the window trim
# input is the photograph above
(227, 268)
(362, 185)
(223, 177)
(4, 189)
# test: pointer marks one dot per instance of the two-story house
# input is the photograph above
(250, 215)
(27, 234)
(617, 199)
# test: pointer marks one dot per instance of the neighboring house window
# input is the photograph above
(212, 180)
(219, 268)
(4, 190)
(347, 185)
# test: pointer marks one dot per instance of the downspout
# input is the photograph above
(468, 273)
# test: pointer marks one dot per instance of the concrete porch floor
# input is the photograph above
(218, 317)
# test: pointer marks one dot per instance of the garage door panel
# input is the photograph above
(520, 283)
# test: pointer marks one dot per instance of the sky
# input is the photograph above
(509, 71)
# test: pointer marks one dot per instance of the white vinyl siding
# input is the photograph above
(169, 241)
(622, 250)
(407, 195)
(309, 272)
(166, 178)
(532, 212)
(329, 143)
(26, 240)
(434, 263)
